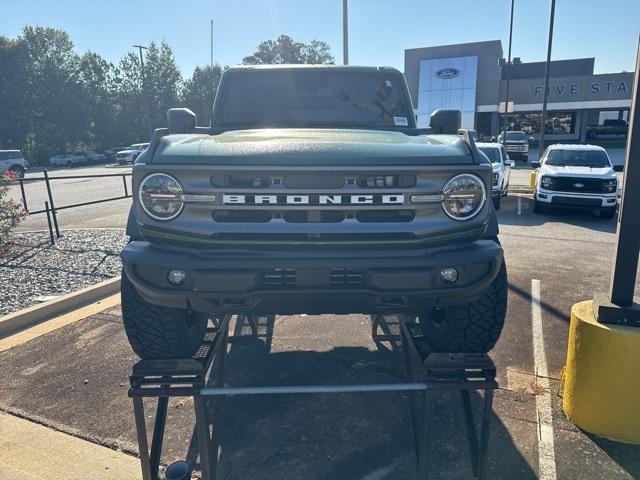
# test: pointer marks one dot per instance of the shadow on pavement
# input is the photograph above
(625, 455)
(340, 436)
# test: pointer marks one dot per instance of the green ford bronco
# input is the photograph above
(312, 191)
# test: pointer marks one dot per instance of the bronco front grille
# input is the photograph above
(291, 277)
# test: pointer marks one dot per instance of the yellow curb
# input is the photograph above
(29, 451)
(58, 322)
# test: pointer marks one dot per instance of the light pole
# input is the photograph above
(619, 306)
(547, 68)
(144, 88)
(503, 124)
(345, 32)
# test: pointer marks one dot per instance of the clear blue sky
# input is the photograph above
(380, 30)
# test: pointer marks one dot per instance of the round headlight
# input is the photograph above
(464, 196)
(160, 196)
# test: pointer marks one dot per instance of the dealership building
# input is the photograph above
(472, 78)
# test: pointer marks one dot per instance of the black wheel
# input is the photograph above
(608, 213)
(159, 332)
(506, 191)
(497, 201)
(474, 327)
(538, 207)
(525, 158)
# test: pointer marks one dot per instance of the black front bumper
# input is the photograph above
(288, 282)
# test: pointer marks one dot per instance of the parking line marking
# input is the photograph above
(546, 450)
(519, 204)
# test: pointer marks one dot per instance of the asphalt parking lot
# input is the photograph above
(75, 379)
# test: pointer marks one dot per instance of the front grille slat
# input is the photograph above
(577, 184)
(287, 278)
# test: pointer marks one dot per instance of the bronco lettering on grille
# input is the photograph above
(364, 199)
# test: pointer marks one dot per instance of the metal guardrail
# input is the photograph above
(50, 208)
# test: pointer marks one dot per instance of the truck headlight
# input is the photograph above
(496, 177)
(611, 186)
(464, 196)
(161, 196)
(546, 182)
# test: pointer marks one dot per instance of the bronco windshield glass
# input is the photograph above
(315, 98)
(578, 158)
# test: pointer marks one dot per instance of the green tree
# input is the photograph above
(163, 82)
(53, 97)
(199, 92)
(96, 76)
(286, 50)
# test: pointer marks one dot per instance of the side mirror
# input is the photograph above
(181, 120)
(510, 163)
(531, 139)
(535, 164)
(618, 168)
(446, 121)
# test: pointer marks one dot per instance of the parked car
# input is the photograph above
(501, 164)
(68, 160)
(608, 127)
(130, 154)
(92, 156)
(516, 143)
(13, 162)
(111, 152)
(576, 176)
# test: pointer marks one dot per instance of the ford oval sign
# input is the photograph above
(447, 73)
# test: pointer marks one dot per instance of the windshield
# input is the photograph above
(578, 158)
(492, 153)
(520, 136)
(314, 98)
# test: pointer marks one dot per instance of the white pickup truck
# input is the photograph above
(576, 176)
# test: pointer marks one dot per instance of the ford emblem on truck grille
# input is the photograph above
(364, 199)
(447, 73)
(578, 185)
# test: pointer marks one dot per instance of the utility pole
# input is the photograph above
(144, 88)
(211, 62)
(503, 124)
(345, 32)
(547, 68)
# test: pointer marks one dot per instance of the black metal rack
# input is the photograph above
(202, 377)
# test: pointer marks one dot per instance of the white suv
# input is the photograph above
(576, 176)
(501, 170)
(13, 162)
(129, 154)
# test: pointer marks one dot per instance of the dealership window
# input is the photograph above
(559, 123)
(483, 123)
(613, 115)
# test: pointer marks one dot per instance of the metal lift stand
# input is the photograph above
(427, 372)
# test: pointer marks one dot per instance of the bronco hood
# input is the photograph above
(311, 147)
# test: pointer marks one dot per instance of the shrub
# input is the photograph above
(11, 212)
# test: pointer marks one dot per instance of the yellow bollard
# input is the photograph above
(532, 179)
(601, 380)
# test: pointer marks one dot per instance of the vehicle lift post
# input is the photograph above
(202, 377)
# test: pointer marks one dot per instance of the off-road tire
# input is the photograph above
(474, 327)
(156, 332)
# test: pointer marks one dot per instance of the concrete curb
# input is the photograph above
(26, 317)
